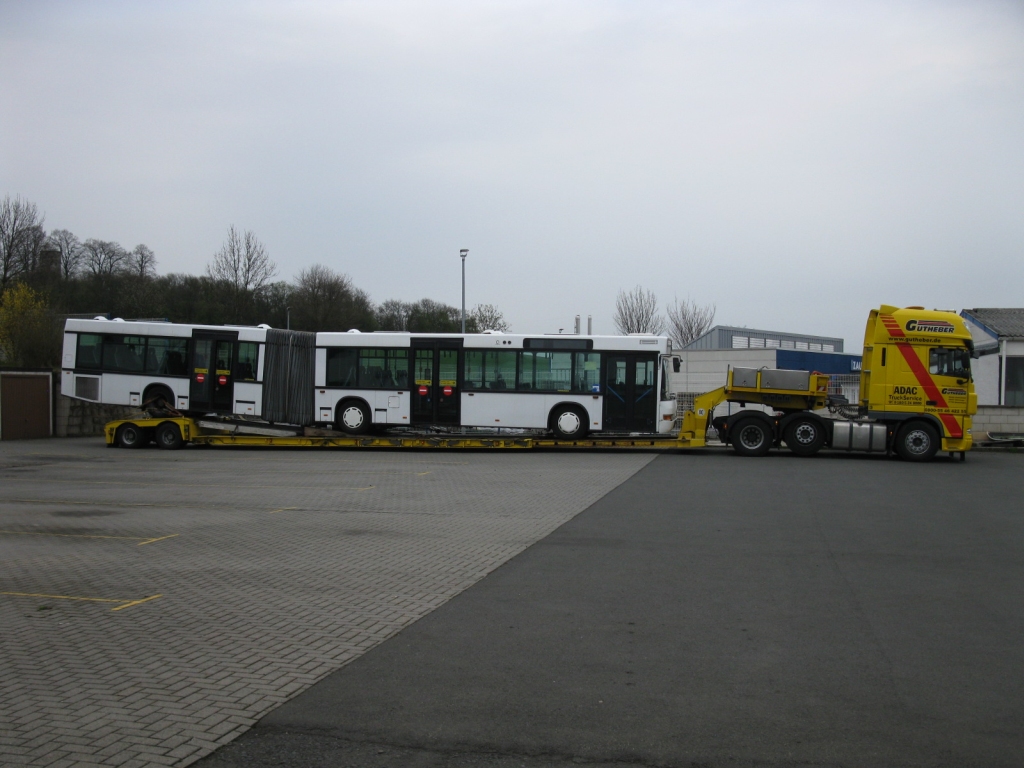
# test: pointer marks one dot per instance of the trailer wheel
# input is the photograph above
(168, 436)
(131, 436)
(751, 437)
(353, 416)
(569, 422)
(917, 441)
(804, 436)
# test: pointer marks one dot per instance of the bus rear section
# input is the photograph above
(167, 366)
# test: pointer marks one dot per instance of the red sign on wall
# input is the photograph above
(447, 391)
(423, 391)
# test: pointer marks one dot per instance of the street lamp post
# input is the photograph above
(464, 253)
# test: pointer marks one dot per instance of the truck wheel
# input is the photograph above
(751, 437)
(131, 436)
(917, 441)
(353, 417)
(804, 436)
(569, 423)
(168, 436)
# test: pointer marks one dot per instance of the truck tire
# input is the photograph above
(130, 436)
(168, 436)
(752, 437)
(917, 441)
(804, 436)
(353, 417)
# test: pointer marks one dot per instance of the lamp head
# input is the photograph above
(464, 252)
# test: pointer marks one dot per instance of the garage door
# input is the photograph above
(24, 407)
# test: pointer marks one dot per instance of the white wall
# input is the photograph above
(985, 371)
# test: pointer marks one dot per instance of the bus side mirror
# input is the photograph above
(675, 365)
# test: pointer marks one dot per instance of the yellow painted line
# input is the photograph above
(282, 509)
(136, 602)
(123, 603)
(421, 474)
(158, 538)
(142, 540)
(367, 488)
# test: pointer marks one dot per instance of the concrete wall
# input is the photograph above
(997, 418)
(985, 371)
(80, 418)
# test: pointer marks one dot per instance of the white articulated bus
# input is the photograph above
(355, 382)
(569, 384)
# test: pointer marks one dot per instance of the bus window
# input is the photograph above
(490, 370)
(223, 358)
(248, 361)
(383, 368)
(90, 349)
(342, 363)
(552, 371)
(123, 353)
(587, 377)
(474, 370)
(167, 356)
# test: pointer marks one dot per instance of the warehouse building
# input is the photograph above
(999, 343)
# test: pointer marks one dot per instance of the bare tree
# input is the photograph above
(488, 318)
(319, 298)
(242, 262)
(636, 311)
(70, 249)
(393, 315)
(21, 237)
(103, 258)
(141, 262)
(687, 320)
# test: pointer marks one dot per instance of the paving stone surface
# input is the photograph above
(265, 571)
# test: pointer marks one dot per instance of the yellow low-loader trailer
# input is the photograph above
(917, 397)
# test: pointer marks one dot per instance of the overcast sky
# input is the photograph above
(794, 163)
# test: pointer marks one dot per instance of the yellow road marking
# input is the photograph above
(421, 474)
(158, 538)
(282, 509)
(123, 603)
(366, 488)
(141, 539)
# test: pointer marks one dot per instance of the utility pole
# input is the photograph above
(464, 253)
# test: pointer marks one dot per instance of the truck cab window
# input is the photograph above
(949, 361)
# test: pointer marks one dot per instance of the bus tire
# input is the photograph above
(569, 422)
(804, 436)
(352, 417)
(131, 436)
(158, 397)
(752, 437)
(168, 437)
(917, 441)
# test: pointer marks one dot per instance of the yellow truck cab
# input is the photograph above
(916, 378)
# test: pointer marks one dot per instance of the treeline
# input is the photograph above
(55, 274)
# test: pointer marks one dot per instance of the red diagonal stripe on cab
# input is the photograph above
(931, 390)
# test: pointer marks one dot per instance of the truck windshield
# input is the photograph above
(950, 361)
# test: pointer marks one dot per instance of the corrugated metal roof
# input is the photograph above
(1005, 322)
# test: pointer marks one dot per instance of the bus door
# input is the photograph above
(435, 385)
(630, 392)
(211, 372)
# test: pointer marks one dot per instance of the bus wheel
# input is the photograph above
(131, 436)
(158, 398)
(569, 422)
(751, 437)
(168, 436)
(804, 436)
(917, 441)
(353, 417)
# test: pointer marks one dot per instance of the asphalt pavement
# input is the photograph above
(711, 611)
